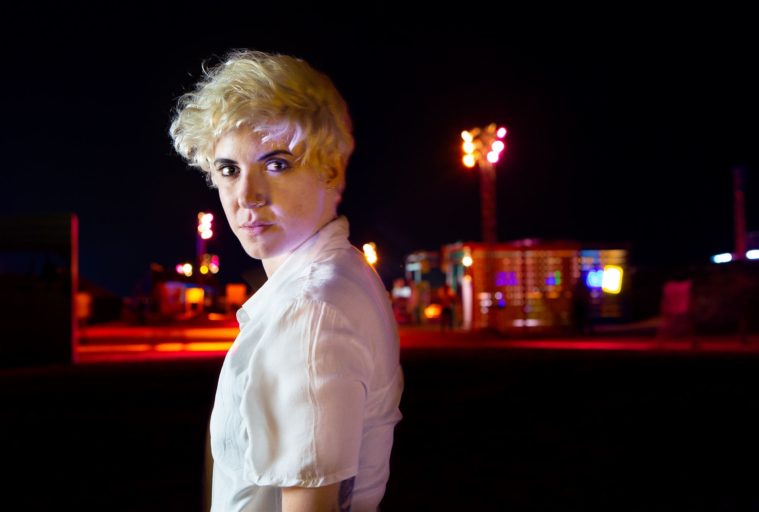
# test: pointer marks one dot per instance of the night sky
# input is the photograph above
(623, 130)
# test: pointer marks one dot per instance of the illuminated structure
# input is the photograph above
(531, 285)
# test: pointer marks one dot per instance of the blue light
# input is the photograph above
(595, 279)
(725, 257)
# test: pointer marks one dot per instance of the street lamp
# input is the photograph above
(483, 147)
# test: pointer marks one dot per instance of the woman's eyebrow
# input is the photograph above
(272, 153)
(225, 161)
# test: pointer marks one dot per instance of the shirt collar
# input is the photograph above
(332, 235)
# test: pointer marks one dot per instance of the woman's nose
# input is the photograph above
(252, 193)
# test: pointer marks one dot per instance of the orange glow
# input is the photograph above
(370, 253)
(466, 136)
(469, 160)
(194, 295)
(169, 347)
(468, 147)
(433, 311)
(467, 261)
(237, 293)
(203, 269)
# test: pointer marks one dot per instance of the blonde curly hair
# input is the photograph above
(274, 95)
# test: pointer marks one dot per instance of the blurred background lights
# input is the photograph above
(467, 261)
(753, 254)
(722, 258)
(370, 253)
(205, 221)
(611, 282)
(594, 279)
(501, 133)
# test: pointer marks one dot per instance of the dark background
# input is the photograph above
(624, 126)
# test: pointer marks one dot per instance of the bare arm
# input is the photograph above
(330, 498)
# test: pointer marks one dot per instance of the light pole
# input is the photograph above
(483, 147)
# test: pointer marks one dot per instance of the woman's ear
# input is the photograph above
(331, 177)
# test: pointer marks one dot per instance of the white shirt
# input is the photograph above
(309, 391)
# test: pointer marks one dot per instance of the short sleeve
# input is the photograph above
(303, 403)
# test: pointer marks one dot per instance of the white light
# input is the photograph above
(753, 254)
(492, 157)
(722, 258)
(468, 147)
(466, 136)
(612, 279)
(498, 146)
(467, 261)
(501, 133)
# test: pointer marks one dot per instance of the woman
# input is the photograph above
(308, 394)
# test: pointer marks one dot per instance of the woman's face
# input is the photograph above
(272, 202)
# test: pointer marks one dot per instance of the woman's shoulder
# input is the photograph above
(343, 280)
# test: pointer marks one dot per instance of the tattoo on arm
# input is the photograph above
(346, 494)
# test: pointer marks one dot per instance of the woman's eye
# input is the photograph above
(277, 165)
(227, 171)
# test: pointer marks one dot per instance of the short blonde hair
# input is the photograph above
(275, 95)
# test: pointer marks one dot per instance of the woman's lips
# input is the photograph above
(255, 228)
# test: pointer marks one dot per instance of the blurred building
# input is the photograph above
(525, 285)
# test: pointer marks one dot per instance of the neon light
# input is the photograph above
(595, 279)
(722, 258)
(612, 279)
